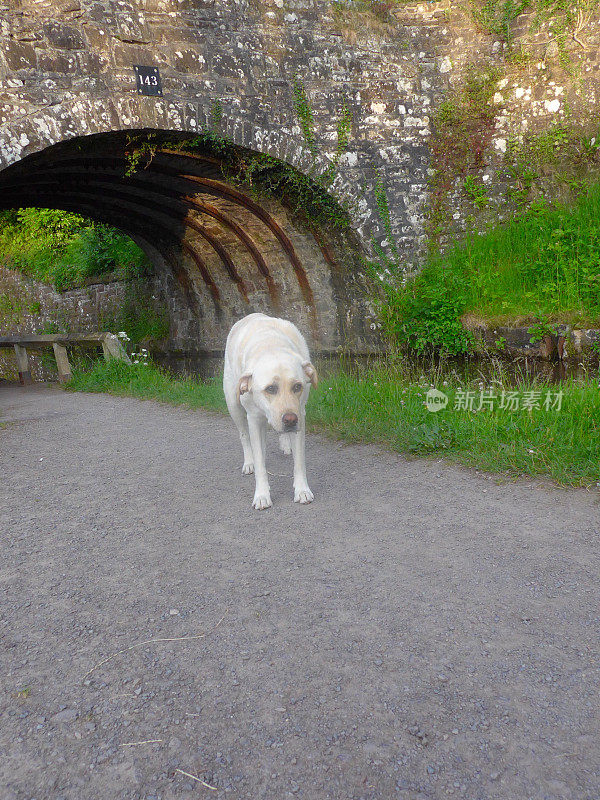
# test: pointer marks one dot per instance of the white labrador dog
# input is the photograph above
(267, 379)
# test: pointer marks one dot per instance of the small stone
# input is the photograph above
(174, 612)
(68, 715)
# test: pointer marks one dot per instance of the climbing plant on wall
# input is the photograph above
(306, 195)
(462, 129)
(515, 22)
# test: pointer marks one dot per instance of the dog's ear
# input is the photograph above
(244, 384)
(311, 373)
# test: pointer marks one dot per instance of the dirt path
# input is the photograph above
(417, 632)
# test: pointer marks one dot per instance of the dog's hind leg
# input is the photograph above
(263, 441)
(285, 443)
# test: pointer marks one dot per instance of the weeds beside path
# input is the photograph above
(378, 407)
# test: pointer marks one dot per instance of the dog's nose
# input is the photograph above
(290, 420)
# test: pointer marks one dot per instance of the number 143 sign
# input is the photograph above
(148, 81)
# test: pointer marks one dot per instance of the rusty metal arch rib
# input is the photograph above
(221, 189)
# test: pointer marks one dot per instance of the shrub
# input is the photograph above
(424, 314)
(64, 249)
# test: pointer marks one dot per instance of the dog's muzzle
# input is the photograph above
(290, 422)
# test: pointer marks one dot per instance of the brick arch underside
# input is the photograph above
(220, 251)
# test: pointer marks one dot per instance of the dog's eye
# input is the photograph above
(271, 389)
(297, 387)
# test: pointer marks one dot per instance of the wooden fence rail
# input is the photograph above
(111, 347)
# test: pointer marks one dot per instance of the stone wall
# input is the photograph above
(34, 307)
(31, 307)
(67, 70)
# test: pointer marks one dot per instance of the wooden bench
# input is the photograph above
(111, 347)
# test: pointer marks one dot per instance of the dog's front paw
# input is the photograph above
(262, 501)
(248, 468)
(303, 495)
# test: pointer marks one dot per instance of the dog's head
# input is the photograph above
(279, 386)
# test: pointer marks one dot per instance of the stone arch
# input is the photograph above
(84, 116)
(219, 252)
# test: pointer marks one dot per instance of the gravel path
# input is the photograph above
(417, 632)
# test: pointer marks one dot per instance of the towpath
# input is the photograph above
(418, 632)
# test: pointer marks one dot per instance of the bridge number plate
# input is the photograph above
(148, 81)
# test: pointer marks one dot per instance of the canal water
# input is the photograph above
(508, 372)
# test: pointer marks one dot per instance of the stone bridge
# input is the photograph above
(72, 112)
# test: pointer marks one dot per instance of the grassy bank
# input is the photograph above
(390, 410)
(542, 266)
(65, 249)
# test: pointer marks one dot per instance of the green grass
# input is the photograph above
(544, 265)
(388, 409)
(65, 249)
(148, 382)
